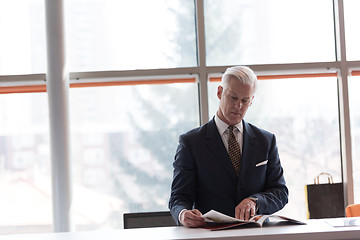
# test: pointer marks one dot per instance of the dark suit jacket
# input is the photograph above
(204, 177)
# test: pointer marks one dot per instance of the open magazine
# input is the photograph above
(218, 221)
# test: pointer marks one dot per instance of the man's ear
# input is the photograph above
(219, 91)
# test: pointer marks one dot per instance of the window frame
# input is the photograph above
(341, 67)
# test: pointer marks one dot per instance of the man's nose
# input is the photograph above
(238, 104)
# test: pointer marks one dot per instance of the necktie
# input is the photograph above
(234, 150)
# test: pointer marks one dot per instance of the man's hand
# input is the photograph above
(192, 218)
(245, 210)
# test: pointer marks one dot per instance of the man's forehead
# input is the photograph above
(231, 91)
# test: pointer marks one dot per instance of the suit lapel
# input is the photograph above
(216, 145)
(248, 149)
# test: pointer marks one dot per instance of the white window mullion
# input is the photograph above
(57, 88)
(344, 110)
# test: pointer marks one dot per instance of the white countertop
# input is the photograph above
(315, 229)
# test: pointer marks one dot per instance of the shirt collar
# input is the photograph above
(222, 126)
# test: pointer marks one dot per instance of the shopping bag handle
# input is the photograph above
(330, 178)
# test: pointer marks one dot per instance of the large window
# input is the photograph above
(268, 31)
(352, 19)
(137, 34)
(25, 179)
(123, 143)
(22, 37)
(354, 85)
(101, 35)
(306, 126)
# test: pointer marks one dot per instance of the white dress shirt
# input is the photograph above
(224, 132)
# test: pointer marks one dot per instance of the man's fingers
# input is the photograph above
(252, 212)
(242, 214)
(247, 213)
(192, 218)
(245, 210)
(194, 214)
(197, 212)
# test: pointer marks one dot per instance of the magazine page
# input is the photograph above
(217, 217)
(260, 219)
(218, 221)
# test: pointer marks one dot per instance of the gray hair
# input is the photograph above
(242, 73)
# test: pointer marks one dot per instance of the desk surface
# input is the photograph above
(315, 229)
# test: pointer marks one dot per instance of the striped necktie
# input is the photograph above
(234, 150)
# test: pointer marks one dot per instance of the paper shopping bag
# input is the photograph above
(325, 200)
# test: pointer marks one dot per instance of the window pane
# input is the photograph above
(137, 34)
(354, 85)
(22, 37)
(352, 19)
(303, 114)
(268, 31)
(124, 141)
(25, 181)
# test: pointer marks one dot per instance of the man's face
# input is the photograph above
(235, 99)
